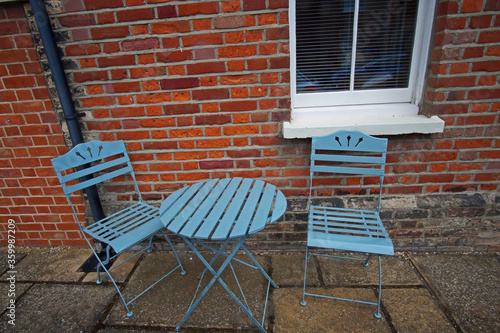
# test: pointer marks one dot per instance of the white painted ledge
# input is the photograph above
(372, 125)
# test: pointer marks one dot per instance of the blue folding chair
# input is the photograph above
(346, 229)
(96, 162)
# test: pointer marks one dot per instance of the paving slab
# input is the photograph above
(396, 270)
(288, 270)
(121, 269)
(11, 291)
(469, 286)
(19, 253)
(51, 264)
(415, 310)
(166, 304)
(59, 308)
(325, 315)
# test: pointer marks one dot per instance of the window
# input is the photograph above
(359, 60)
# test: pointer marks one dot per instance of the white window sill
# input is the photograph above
(372, 125)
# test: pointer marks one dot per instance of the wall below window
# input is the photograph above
(200, 90)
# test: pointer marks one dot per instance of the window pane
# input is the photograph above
(324, 44)
(384, 44)
(324, 33)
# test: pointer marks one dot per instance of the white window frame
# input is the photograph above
(382, 111)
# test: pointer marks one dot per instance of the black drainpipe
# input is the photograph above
(56, 67)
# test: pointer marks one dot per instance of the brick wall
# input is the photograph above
(199, 89)
(30, 136)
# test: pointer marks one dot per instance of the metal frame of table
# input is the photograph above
(223, 210)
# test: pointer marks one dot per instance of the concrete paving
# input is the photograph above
(421, 293)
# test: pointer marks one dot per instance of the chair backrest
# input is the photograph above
(92, 163)
(349, 152)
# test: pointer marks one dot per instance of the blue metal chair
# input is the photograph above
(96, 162)
(346, 229)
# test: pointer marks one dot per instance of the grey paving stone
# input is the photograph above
(396, 270)
(415, 310)
(59, 308)
(11, 291)
(469, 286)
(166, 304)
(325, 315)
(19, 254)
(52, 264)
(288, 270)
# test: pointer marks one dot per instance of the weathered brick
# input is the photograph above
(141, 44)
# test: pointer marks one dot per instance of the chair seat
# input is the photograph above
(127, 227)
(348, 230)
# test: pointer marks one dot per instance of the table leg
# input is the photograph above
(214, 279)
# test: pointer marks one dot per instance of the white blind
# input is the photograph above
(353, 45)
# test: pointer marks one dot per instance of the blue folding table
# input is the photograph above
(223, 210)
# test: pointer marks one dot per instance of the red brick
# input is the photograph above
(230, 6)
(277, 33)
(105, 18)
(97, 101)
(254, 5)
(234, 37)
(213, 143)
(469, 6)
(184, 83)
(202, 39)
(239, 79)
(82, 49)
(493, 51)
(492, 5)
(170, 27)
(237, 51)
(181, 109)
(492, 36)
(229, 22)
(198, 8)
(153, 98)
(123, 87)
(212, 119)
(121, 60)
(175, 56)
(19, 82)
(99, 4)
(110, 32)
(216, 165)
(483, 21)
(77, 20)
(135, 14)
(195, 155)
(238, 106)
(280, 62)
(438, 156)
(240, 130)
(207, 94)
(168, 11)
(206, 67)
(479, 94)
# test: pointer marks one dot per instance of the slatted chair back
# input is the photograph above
(93, 163)
(348, 152)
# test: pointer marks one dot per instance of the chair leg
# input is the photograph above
(366, 264)
(377, 314)
(303, 301)
(183, 272)
(150, 248)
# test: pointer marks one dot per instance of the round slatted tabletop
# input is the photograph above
(219, 209)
